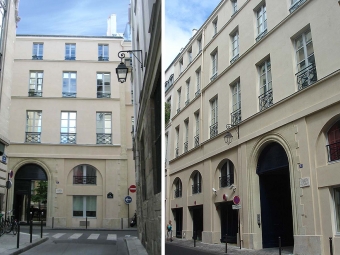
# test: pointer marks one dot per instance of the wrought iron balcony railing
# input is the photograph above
(306, 76)
(234, 59)
(187, 102)
(213, 77)
(34, 93)
(186, 146)
(196, 188)
(103, 95)
(178, 193)
(226, 181)
(296, 5)
(69, 94)
(33, 137)
(260, 36)
(197, 140)
(103, 138)
(177, 152)
(333, 151)
(84, 179)
(35, 57)
(70, 58)
(68, 138)
(214, 130)
(236, 117)
(266, 100)
(178, 110)
(197, 93)
(101, 58)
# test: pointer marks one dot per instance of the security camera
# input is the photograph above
(233, 187)
(214, 190)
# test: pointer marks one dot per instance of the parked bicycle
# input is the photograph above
(11, 224)
(2, 225)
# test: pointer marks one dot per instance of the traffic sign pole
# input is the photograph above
(128, 209)
(6, 197)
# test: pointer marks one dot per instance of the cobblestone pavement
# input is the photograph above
(232, 249)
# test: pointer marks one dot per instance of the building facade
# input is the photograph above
(255, 115)
(146, 80)
(69, 127)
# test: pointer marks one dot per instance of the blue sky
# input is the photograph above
(70, 17)
(181, 16)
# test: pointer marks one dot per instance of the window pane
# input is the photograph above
(310, 49)
(337, 208)
(299, 42)
(73, 115)
(91, 206)
(300, 55)
(77, 205)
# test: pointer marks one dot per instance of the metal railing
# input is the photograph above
(69, 94)
(266, 100)
(70, 58)
(226, 181)
(103, 138)
(34, 93)
(84, 179)
(178, 110)
(33, 137)
(306, 76)
(333, 151)
(213, 77)
(197, 93)
(103, 95)
(236, 117)
(234, 59)
(186, 146)
(178, 193)
(101, 58)
(296, 5)
(35, 57)
(187, 102)
(177, 152)
(197, 140)
(214, 130)
(68, 138)
(196, 188)
(260, 36)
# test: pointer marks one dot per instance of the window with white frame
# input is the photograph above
(236, 104)
(70, 51)
(235, 47)
(69, 84)
(104, 129)
(261, 16)
(214, 65)
(166, 146)
(38, 51)
(214, 117)
(337, 209)
(177, 142)
(266, 93)
(186, 134)
(179, 100)
(234, 6)
(188, 91)
(296, 4)
(84, 206)
(198, 82)
(36, 83)
(199, 44)
(68, 127)
(180, 63)
(84, 174)
(190, 55)
(197, 129)
(214, 23)
(33, 127)
(103, 52)
(103, 85)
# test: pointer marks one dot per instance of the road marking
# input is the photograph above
(58, 235)
(75, 236)
(112, 237)
(23, 233)
(93, 236)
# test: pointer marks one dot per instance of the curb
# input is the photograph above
(30, 246)
(134, 246)
(91, 229)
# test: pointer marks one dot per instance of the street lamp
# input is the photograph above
(122, 70)
(228, 136)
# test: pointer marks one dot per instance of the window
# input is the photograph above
(234, 6)
(103, 85)
(166, 146)
(236, 104)
(179, 100)
(38, 51)
(68, 127)
(197, 130)
(337, 208)
(70, 51)
(84, 174)
(214, 65)
(333, 146)
(214, 118)
(188, 91)
(190, 55)
(84, 206)
(214, 27)
(177, 142)
(261, 16)
(178, 188)
(104, 133)
(180, 63)
(186, 126)
(199, 44)
(36, 82)
(296, 4)
(197, 183)
(266, 92)
(33, 127)
(198, 82)
(103, 52)
(227, 174)
(305, 60)
(69, 84)
(235, 47)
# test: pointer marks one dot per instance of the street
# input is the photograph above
(178, 250)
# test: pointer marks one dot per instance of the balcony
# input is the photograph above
(213, 77)
(68, 138)
(101, 58)
(70, 58)
(236, 117)
(69, 94)
(333, 151)
(187, 102)
(260, 36)
(103, 138)
(33, 137)
(306, 76)
(186, 146)
(214, 130)
(296, 5)
(197, 140)
(196, 188)
(103, 95)
(177, 152)
(178, 193)
(234, 59)
(178, 110)
(266, 100)
(35, 57)
(197, 93)
(84, 179)
(33, 93)
(226, 181)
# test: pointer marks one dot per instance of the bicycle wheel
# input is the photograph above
(2, 228)
(8, 226)
(15, 228)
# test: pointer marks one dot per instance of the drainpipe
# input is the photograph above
(202, 75)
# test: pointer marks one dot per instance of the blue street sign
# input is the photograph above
(128, 199)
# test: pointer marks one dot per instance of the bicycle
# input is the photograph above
(11, 225)
(2, 225)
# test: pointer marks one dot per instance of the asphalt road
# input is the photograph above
(171, 249)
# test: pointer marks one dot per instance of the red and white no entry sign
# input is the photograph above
(133, 188)
(236, 200)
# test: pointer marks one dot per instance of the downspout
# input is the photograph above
(202, 75)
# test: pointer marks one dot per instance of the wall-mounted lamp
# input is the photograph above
(228, 136)
(121, 69)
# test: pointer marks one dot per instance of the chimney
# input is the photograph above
(111, 25)
(194, 31)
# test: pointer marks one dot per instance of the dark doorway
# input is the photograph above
(178, 213)
(275, 194)
(229, 222)
(22, 204)
(197, 220)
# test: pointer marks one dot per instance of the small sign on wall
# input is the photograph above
(304, 182)
(59, 191)
(110, 195)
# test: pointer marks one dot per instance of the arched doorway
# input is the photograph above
(275, 195)
(26, 180)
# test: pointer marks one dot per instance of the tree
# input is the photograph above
(167, 112)
(40, 193)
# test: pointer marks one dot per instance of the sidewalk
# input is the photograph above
(134, 246)
(232, 248)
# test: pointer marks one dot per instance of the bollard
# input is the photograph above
(18, 235)
(279, 245)
(52, 222)
(31, 231)
(331, 245)
(86, 221)
(226, 244)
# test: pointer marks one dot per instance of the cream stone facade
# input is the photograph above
(266, 73)
(70, 122)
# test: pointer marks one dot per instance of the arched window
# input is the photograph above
(197, 183)
(227, 174)
(334, 142)
(84, 174)
(178, 188)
